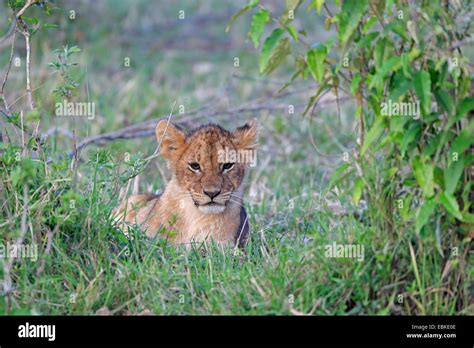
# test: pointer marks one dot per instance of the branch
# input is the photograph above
(23, 30)
(28, 4)
(464, 42)
(28, 70)
(139, 130)
(147, 128)
(5, 38)
(9, 66)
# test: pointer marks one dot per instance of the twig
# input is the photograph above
(7, 72)
(24, 95)
(464, 42)
(22, 28)
(4, 39)
(28, 69)
(310, 134)
(9, 66)
(155, 154)
(49, 241)
(28, 4)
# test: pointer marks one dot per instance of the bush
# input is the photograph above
(403, 64)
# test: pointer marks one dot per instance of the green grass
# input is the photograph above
(93, 267)
(283, 270)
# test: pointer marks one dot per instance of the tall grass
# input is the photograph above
(86, 266)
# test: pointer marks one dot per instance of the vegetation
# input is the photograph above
(400, 188)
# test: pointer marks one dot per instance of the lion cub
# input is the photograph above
(203, 200)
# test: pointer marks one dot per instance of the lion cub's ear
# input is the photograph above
(171, 138)
(246, 137)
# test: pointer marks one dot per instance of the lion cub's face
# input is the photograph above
(209, 162)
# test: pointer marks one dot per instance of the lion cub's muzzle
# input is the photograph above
(211, 201)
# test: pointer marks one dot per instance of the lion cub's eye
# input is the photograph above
(194, 166)
(227, 166)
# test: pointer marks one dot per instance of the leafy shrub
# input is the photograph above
(391, 55)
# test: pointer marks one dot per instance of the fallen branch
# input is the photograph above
(147, 128)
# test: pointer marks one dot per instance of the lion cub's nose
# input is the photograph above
(212, 194)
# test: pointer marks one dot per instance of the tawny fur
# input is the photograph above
(178, 212)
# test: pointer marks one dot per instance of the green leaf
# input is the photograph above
(32, 20)
(406, 65)
(313, 98)
(373, 134)
(452, 207)
(251, 4)
(355, 83)
(318, 5)
(438, 176)
(26, 171)
(291, 6)
(413, 131)
(469, 218)
(369, 23)
(423, 173)
(379, 53)
(434, 143)
(279, 53)
(394, 63)
(367, 40)
(452, 174)
(414, 53)
(338, 175)
(268, 46)
(259, 20)
(423, 90)
(466, 195)
(463, 140)
(351, 14)
(330, 42)
(357, 190)
(399, 30)
(464, 107)
(400, 90)
(446, 101)
(424, 213)
(291, 29)
(16, 176)
(74, 49)
(50, 25)
(315, 58)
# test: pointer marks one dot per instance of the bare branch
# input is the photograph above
(4, 40)
(28, 70)
(460, 43)
(28, 4)
(9, 66)
(147, 128)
